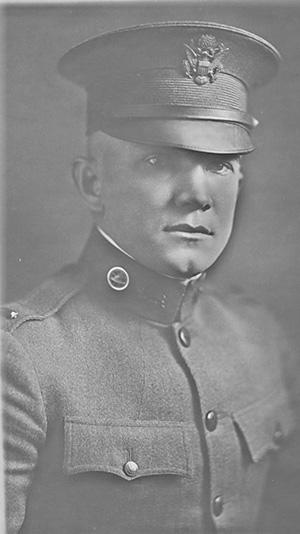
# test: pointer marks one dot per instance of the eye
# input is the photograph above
(220, 167)
(151, 160)
(156, 160)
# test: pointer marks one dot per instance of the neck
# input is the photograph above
(183, 280)
(154, 296)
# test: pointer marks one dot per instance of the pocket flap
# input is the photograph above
(155, 447)
(266, 424)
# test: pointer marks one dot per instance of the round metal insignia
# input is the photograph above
(118, 278)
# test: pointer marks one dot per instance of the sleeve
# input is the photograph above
(24, 428)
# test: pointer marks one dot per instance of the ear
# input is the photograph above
(241, 183)
(88, 183)
(240, 176)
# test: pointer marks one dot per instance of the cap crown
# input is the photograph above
(179, 71)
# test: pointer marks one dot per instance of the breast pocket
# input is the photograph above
(241, 448)
(129, 476)
(260, 430)
(128, 449)
(265, 425)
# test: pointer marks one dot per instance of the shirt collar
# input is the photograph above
(112, 242)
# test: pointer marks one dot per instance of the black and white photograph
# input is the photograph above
(150, 295)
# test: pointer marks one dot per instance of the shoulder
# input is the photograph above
(254, 331)
(248, 321)
(235, 304)
(32, 333)
(44, 301)
(233, 296)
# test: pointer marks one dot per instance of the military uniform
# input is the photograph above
(128, 410)
(136, 402)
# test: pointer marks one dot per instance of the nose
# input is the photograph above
(193, 191)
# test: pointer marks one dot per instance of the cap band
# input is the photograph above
(180, 112)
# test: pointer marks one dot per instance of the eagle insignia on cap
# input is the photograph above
(200, 64)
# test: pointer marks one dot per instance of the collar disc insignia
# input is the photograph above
(118, 278)
(201, 64)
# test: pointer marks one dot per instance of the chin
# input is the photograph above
(186, 267)
(187, 270)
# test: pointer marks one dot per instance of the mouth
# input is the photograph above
(188, 229)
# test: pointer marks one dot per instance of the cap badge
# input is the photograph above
(118, 278)
(200, 64)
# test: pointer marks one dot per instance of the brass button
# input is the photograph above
(218, 506)
(118, 278)
(278, 436)
(130, 468)
(211, 420)
(184, 336)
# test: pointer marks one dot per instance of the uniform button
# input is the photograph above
(184, 336)
(130, 468)
(211, 420)
(278, 436)
(218, 505)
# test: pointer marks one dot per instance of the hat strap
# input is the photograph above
(156, 111)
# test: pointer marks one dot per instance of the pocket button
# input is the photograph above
(278, 436)
(130, 468)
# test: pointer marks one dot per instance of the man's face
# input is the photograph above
(171, 209)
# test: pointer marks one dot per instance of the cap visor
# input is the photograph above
(199, 135)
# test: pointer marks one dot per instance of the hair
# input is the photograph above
(97, 143)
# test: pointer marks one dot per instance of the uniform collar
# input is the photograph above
(152, 295)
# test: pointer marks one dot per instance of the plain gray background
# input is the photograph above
(46, 223)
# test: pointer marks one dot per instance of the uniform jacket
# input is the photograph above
(186, 385)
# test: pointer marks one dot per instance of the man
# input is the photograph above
(138, 399)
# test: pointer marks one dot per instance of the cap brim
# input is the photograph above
(198, 135)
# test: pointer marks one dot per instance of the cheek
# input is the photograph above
(226, 198)
(128, 210)
(142, 197)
